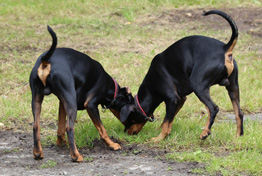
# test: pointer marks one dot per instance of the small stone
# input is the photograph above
(189, 14)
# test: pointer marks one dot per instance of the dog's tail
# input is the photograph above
(45, 66)
(232, 42)
(47, 56)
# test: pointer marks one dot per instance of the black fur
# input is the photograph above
(192, 64)
(80, 83)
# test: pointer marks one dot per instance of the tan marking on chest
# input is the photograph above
(43, 71)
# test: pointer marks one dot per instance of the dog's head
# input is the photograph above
(125, 110)
(123, 97)
(132, 118)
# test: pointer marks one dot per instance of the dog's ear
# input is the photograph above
(126, 90)
(126, 111)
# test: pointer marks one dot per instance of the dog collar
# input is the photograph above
(140, 109)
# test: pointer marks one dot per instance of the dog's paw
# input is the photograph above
(61, 141)
(38, 155)
(205, 134)
(78, 158)
(115, 146)
(156, 139)
(159, 138)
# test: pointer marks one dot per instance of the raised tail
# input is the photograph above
(45, 66)
(230, 45)
(47, 56)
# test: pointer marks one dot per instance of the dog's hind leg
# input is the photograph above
(93, 112)
(37, 99)
(64, 89)
(202, 78)
(204, 97)
(171, 110)
(71, 111)
(61, 126)
(233, 92)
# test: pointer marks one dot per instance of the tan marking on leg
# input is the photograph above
(103, 134)
(237, 118)
(75, 155)
(166, 130)
(102, 131)
(167, 126)
(61, 126)
(37, 151)
(206, 130)
(43, 71)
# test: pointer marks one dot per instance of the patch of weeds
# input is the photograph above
(169, 168)
(196, 156)
(50, 139)
(88, 159)
(10, 151)
(200, 171)
(136, 152)
(124, 154)
(85, 133)
(128, 13)
(49, 164)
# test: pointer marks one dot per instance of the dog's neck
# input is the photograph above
(147, 100)
(113, 90)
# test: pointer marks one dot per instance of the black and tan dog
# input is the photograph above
(192, 64)
(80, 83)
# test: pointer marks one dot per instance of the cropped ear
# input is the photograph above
(126, 111)
(126, 90)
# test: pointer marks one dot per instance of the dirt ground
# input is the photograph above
(16, 156)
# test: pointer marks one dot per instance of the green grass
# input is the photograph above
(124, 36)
(49, 164)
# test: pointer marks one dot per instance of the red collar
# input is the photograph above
(115, 96)
(151, 119)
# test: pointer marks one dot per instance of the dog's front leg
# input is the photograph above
(94, 115)
(171, 111)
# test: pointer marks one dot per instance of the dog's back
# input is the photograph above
(67, 63)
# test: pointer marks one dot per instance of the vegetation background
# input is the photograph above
(124, 36)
